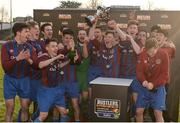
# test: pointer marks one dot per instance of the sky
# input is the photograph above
(25, 7)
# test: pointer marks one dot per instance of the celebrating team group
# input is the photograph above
(51, 73)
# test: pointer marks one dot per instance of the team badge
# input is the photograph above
(158, 61)
(11, 50)
(12, 57)
(145, 61)
(107, 66)
(62, 72)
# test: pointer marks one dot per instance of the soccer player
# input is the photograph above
(35, 78)
(82, 69)
(110, 56)
(112, 25)
(94, 47)
(69, 71)
(129, 52)
(153, 73)
(169, 47)
(154, 30)
(17, 57)
(165, 44)
(47, 31)
(141, 38)
(51, 93)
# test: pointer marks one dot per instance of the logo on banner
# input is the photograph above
(83, 15)
(164, 16)
(64, 23)
(41, 23)
(123, 15)
(122, 25)
(65, 16)
(81, 25)
(165, 26)
(107, 108)
(46, 14)
(142, 24)
(143, 17)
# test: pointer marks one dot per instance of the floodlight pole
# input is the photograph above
(10, 18)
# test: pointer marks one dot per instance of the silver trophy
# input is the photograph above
(102, 14)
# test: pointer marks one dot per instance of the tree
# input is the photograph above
(150, 6)
(68, 4)
(93, 4)
(3, 16)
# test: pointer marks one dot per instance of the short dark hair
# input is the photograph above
(68, 32)
(48, 41)
(109, 32)
(132, 22)
(44, 25)
(31, 24)
(150, 43)
(163, 31)
(98, 27)
(18, 27)
(155, 27)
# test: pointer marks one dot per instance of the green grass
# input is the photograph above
(179, 112)
(2, 103)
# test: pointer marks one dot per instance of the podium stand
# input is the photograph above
(109, 99)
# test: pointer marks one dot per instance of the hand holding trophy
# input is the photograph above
(102, 14)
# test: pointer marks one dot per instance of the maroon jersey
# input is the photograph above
(153, 69)
(110, 60)
(36, 73)
(94, 48)
(128, 60)
(42, 44)
(170, 51)
(50, 73)
(17, 69)
(68, 72)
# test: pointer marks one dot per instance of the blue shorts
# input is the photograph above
(93, 73)
(14, 86)
(136, 86)
(48, 97)
(155, 100)
(71, 88)
(34, 86)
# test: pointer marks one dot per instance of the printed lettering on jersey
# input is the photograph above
(40, 53)
(158, 61)
(62, 72)
(11, 53)
(12, 57)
